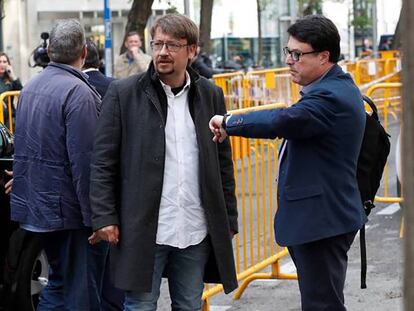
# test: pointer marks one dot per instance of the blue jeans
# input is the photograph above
(185, 269)
(75, 271)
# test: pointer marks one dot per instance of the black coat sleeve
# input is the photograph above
(226, 168)
(16, 85)
(105, 163)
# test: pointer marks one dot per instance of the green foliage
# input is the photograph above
(362, 17)
(362, 21)
(172, 10)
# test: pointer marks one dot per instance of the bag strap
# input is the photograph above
(372, 106)
(362, 246)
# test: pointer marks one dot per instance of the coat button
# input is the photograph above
(161, 126)
(156, 158)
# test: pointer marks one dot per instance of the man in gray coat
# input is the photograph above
(162, 192)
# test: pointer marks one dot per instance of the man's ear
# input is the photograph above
(84, 52)
(324, 56)
(192, 51)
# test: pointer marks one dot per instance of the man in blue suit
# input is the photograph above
(320, 209)
(91, 68)
(112, 298)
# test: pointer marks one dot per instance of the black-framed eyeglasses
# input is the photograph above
(295, 54)
(171, 46)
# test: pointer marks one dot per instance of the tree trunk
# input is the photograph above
(259, 36)
(407, 153)
(396, 42)
(137, 19)
(206, 12)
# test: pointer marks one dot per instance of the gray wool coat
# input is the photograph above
(127, 177)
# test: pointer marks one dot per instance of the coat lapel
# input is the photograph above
(152, 95)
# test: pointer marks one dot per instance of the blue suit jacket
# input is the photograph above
(317, 188)
(99, 81)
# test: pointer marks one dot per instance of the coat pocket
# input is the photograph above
(299, 193)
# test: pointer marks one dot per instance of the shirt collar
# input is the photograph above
(307, 88)
(89, 70)
(167, 88)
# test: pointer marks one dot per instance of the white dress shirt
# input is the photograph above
(181, 220)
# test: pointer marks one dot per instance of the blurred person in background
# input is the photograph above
(8, 79)
(8, 82)
(134, 60)
(203, 64)
(91, 68)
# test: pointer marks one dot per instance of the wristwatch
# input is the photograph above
(223, 123)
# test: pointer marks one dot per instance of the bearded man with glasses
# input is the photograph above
(162, 192)
(319, 205)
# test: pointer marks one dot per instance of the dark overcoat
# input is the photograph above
(127, 176)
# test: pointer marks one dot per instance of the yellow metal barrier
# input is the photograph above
(263, 87)
(7, 100)
(390, 95)
(270, 86)
(233, 86)
(255, 165)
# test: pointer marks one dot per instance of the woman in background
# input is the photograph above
(8, 80)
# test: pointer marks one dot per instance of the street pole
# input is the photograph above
(374, 28)
(408, 150)
(108, 39)
(186, 7)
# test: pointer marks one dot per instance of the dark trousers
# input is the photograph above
(75, 271)
(321, 266)
(112, 297)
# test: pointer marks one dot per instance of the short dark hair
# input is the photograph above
(132, 33)
(177, 25)
(320, 32)
(92, 55)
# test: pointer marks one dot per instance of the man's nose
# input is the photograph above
(164, 49)
(289, 59)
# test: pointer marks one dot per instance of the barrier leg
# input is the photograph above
(275, 274)
(248, 280)
(206, 305)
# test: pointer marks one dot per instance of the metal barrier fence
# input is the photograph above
(256, 167)
(370, 70)
(388, 99)
(270, 86)
(8, 102)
